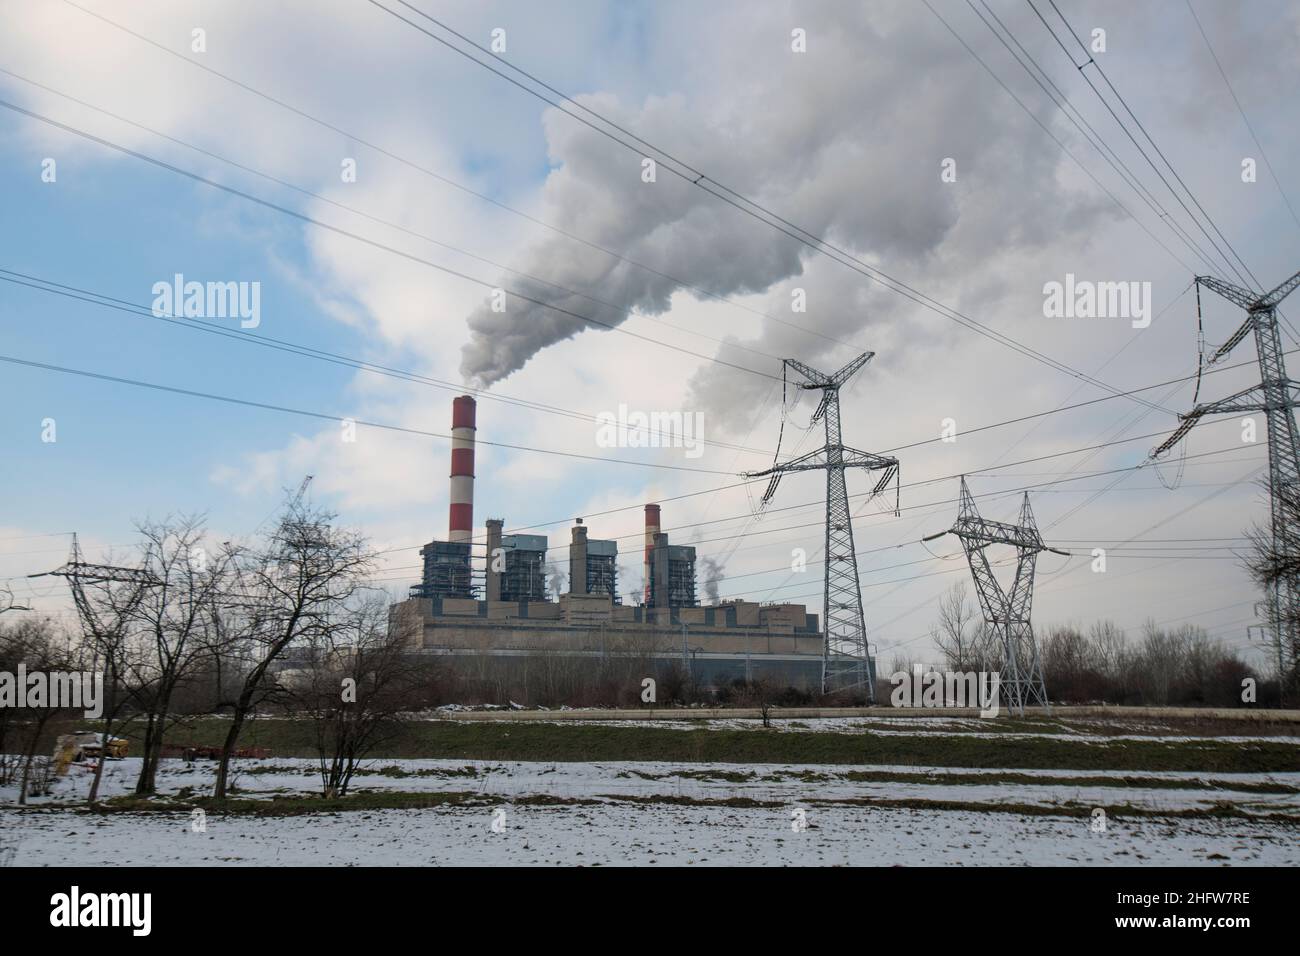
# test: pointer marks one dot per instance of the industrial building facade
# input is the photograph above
(496, 604)
(711, 645)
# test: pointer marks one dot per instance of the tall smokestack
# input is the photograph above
(460, 524)
(651, 529)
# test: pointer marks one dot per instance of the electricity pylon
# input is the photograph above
(846, 659)
(78, 570)
(1006, 614)
(1275, 397)
(80, 573)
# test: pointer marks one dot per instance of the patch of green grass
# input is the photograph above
(306, 805)
(559, 742)
(365, 801)
(1121, 811)
(1022, 779)
(399, 773)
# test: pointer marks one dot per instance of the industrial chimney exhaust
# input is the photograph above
(460, 523)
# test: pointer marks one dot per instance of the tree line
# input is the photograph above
(1102, 664)
(289, 621)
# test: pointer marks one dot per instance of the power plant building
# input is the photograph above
(593, 565)
(513, 616)
(520, 561)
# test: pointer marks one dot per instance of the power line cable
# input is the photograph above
(241, 335)
(1062, 102)
(620, 309)
(339, 230)
(738, 201)
(267, 406)
(424, 433)
(1092, 61)
(96, 298)
(433, 174)
(1245, 119)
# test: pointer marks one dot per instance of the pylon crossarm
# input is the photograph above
(852, 458)
(1233, 293)
(1250, 301)
(817, 461)
(982, 533)
(1247, 400)
(97, 573)
(1233, 340)
(813, 461)
(851, 369)
(1187, 424)
(819, 379)
(815, 379)
(1281, 292)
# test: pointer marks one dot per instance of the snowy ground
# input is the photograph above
(770, 783)
(614, 830)
(1075, 730)
(620, 834)
(647, 812)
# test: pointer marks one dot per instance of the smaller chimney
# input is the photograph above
(494, 559)
(651, 529)
(659, 557)
(578, 560)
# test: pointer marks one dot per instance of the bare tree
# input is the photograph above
(1110, 652)
(36, 646)
(1068, 664)
(173, 618)
(959, 629)
(1161, 653)
(361, 678)
(106, 610)
(761, 693)
(283, 593)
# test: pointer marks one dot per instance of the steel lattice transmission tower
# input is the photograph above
(846, 659)
(79, 572)
(1275, 397)
(1006, 613)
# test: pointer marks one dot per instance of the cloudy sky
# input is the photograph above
(466, 183)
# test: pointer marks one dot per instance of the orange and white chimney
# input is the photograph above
(460, 523)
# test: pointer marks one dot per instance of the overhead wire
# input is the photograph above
(735, 199)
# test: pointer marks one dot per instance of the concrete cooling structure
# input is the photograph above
(499, 606)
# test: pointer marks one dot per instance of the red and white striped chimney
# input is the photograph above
(651, 529)
(460, 524)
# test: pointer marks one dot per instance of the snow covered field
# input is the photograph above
(621, 834)
(769, 783)
(886, 724)
(629, 817)
(692, 812)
